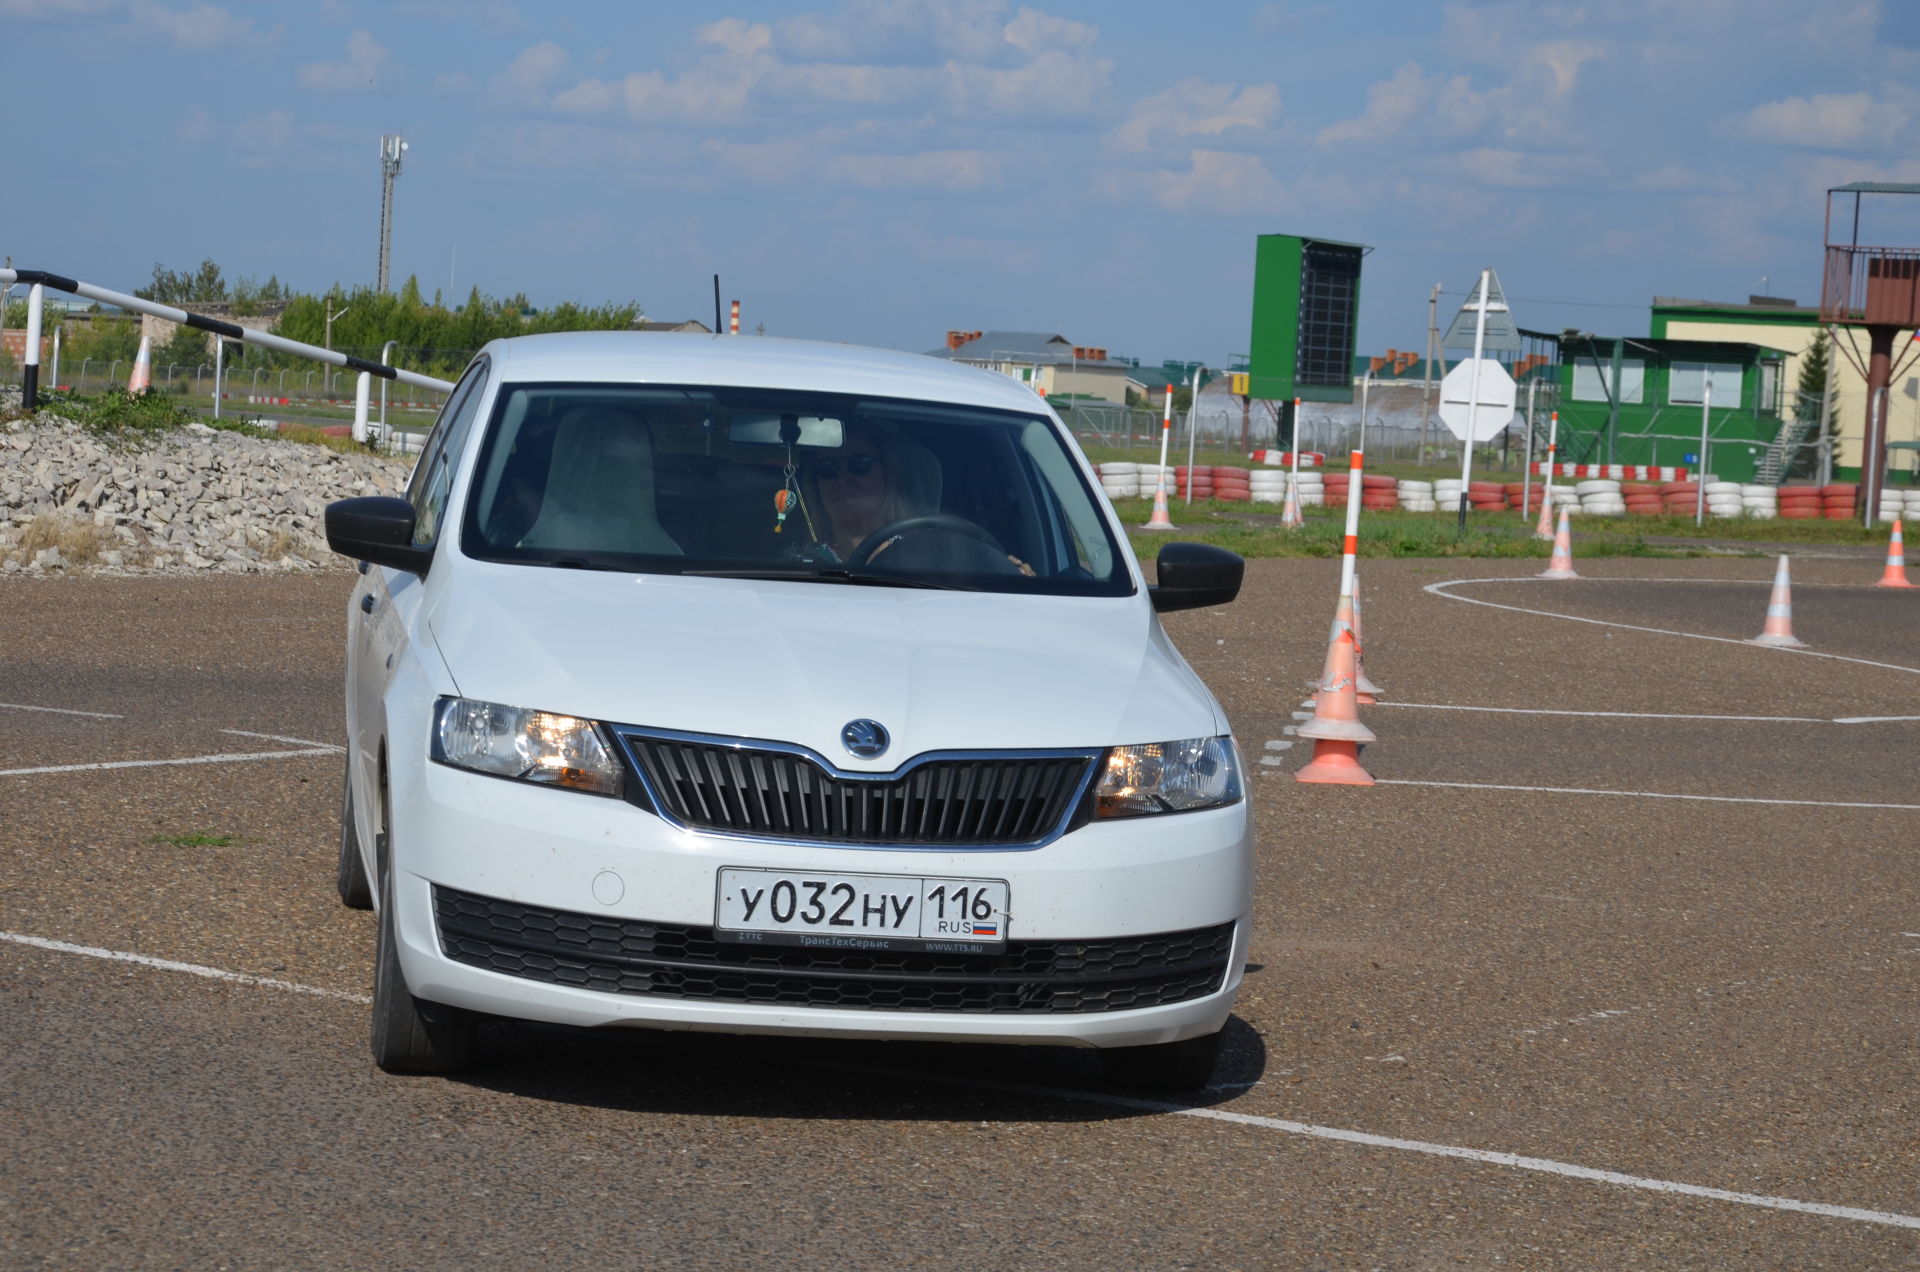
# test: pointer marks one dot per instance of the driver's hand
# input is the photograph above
(1023, 567)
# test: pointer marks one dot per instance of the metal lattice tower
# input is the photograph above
(391, 148)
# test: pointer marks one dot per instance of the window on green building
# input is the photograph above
(1591, 380)
(1688, 381)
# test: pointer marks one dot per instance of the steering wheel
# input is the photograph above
(938, 523)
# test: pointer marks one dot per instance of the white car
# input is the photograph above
(763, 686)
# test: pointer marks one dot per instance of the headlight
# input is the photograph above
(1168, 777)
(534, 746)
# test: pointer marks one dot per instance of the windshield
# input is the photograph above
(776, 484)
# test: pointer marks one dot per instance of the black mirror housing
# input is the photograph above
(1194, 575)
(376, 528)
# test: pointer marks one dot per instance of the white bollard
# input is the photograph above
(362, 386)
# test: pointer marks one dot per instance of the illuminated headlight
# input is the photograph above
(533, 746)
(1168, 777)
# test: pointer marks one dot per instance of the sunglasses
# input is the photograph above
(857, 466)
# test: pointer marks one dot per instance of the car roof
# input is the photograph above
(633, 357)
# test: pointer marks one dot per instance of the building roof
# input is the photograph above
(1011, 346)
(1754, 304)
(1875, 187)
(1666, 347)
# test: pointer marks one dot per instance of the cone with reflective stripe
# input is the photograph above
(1335, 728)
(1346, 618)
(1896, 571)
(141, 377)
(1290, 518)
(1778, 630)
(1544, 530)
(1364, 689)
(1159, 520)
(1561, 566)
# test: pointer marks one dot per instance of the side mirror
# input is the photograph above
(1193, 575)
(376, 528)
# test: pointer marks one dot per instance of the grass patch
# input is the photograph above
(119, 416)
(1392, 533)
(80, 541)
(198, 839)
(314, 437)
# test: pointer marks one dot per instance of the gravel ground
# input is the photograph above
(1720, 994)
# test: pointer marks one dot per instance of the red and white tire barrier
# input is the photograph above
(1308, 459)
(1618, 472)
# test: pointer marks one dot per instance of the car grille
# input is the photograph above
(623, 956)
(981, 801)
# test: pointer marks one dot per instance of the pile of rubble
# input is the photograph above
(194, 500)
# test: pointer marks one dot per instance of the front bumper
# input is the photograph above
(548, 905)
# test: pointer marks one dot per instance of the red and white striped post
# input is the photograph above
(733, 324)
(1352, 547)
(1159, 520)
(1544, 530)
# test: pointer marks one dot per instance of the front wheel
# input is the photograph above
(411, 1036)
(1186, 1065)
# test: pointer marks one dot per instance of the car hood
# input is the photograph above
(795, 662)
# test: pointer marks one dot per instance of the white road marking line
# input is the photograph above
(1544, 1165)
(1278, 746)
(1711, 799)
(1639, 715)
(1541, 1164)
(1271, 761)
(1436, 589)
(1874, 719)
(97, 715)
(275, 737)
(195, 759)
(169, 965)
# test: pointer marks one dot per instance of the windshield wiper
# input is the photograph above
(829, 574)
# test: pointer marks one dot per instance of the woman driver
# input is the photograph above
(858, 490)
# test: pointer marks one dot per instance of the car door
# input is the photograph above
(385, 605)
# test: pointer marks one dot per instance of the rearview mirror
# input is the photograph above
(770, 428)
(376, 528)
(1193, 575)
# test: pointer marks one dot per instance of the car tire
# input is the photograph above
(411, 1036)
(350, 876)
(1166, 1066)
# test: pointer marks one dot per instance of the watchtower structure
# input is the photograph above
(1877, 288)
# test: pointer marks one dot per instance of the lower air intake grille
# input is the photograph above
(623, 956)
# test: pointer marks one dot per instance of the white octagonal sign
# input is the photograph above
(1496, 399)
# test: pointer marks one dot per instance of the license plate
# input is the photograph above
(860, 912)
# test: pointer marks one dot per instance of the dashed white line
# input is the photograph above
(275, 737)
(192, 759)
(1366, 1139)
(1438, 590)
(97, 715)
(170, 965)
(1711, 799)
(1636, 715)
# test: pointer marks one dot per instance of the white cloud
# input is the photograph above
(1410, 99)
(197, 126)
(453, 84)
(1519, 170)
(54, 10)
(1217, 182)
(1196, 108)
(1835, 121)
(203, 26)
(524, 81)
(495, 16)
(1033, 32)
(367, 60)
(271, 131)
(1675, 178)
(1271, 18)
(735, 35)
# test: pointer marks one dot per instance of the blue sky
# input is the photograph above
(879, 171)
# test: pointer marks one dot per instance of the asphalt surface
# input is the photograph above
(1711, 992)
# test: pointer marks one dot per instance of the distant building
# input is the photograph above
(260, 317)
(691, 324)
(1050, 363)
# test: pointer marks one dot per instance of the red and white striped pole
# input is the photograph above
(1160, 520)
(1544, 530)
(1354, 485)
(733, 324)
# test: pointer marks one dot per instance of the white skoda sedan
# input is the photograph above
(760, 686)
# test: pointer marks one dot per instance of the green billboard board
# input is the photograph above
(1306, 309)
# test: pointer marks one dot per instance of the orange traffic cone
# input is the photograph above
(1365, 690)
(1544, 530)
(1896, 571)
(1561, 566)
(1346, 619)
(1290, 518)
(141, 377)
(1335, 728)
(1778, 629)
(1159, 520)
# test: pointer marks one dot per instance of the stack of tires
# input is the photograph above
(1641, 498)
(1415, 496)
(1601, 497)
(1893, 504)
(1446, 494)
(1680, 497)
(1798, 503)
(1267, 485)
(1487, 496)
(1120, 481)
(1231, 483)
(1910, 497)
(1379, 493)
(1724, 499)
(1197, 479)
(1312, 488)
(1840, 501)
(1759, 501)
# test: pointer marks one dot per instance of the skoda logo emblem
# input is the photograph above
(864, 738)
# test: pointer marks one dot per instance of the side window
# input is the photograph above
(433, 478)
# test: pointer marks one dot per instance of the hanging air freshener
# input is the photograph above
(782, 501)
